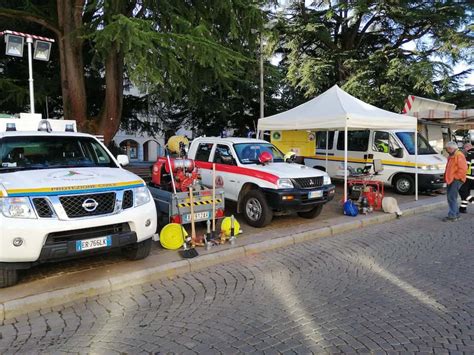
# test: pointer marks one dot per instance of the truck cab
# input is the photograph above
(63, 195)
(260, 187)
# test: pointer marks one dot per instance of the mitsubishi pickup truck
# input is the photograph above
(255, 175)
(63, 195)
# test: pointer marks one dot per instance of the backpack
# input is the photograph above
(350, 209)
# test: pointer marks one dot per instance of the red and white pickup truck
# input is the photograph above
(254, 174)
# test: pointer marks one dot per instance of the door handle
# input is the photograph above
(365, 156)
(371, 156)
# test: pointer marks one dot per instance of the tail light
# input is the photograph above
(175, 219)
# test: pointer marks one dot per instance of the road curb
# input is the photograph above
(14, 308)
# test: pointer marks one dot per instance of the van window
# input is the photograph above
(203, 152)
(358, 141)
(223, 155)
(321, 139)
(384, 142)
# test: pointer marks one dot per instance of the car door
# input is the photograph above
(386, 148)
(226, 174)
(203, 155)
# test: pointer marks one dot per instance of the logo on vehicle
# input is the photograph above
(72, 175)
(90, 205)
(219, 181)
(311, 182)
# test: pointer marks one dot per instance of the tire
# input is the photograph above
(256, 211)
(138, 250)
(8, 277)
(404, 184)
(315, 212)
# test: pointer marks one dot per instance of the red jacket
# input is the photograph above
(456, 168)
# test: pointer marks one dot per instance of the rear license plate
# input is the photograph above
(315, 194)
(198, 216)
(94, 243)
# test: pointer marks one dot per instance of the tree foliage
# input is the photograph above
(379, 51)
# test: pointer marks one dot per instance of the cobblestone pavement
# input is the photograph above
(406, 286)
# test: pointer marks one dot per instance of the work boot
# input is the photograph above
(462, 210)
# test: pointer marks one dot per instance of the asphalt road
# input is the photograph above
(406, 286)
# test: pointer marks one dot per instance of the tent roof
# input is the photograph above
(334, 109)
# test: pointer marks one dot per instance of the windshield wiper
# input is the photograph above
(15, 168)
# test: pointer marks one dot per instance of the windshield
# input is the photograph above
(50, 152)
(408, 138)
(248, 152)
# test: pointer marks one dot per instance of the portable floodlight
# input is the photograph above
(14, 45)
(42, 50)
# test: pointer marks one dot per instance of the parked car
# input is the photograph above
(255, 175)
(63, 195)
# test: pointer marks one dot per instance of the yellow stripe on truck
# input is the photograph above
(368, 161)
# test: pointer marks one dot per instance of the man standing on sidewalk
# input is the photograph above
(465, 190)
(455, 176)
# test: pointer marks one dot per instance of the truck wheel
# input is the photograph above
(256, 210)
(315, 212)
(8, 277)
(404, 184)
(138, 251)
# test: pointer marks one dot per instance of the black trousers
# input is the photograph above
(465, 192)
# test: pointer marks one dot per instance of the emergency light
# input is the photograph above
(42, 50)
(11, 127)
(14, 45)
(44, 126)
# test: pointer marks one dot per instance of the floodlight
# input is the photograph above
(14, 45)
(42, 50)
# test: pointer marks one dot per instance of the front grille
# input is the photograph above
(127, 201)
(87, 233)
(43, 208)
(73, 205)
(309, 183)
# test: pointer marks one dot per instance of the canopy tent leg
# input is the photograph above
(416, 164)
(327, 138)
(345, 163)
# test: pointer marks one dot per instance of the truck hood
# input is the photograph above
(67, 181)
(286, 170)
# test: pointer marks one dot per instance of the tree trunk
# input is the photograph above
(72, 64)
(111, 112)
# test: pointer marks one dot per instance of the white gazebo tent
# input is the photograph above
(337, 110)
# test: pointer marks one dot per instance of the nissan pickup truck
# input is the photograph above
(63, 195)
(255, 175)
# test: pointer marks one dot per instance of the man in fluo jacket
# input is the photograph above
(455, 176)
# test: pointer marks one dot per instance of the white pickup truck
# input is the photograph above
(62, 195)
(254, 174)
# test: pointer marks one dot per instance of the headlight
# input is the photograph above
(285, 184)
(327, 180)
(17, 207)
(141, 196)
(431, 167)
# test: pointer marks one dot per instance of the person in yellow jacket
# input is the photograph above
(455, 176)
(465, 190)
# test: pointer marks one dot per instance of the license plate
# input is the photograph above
(315, 194)
(198, 216)
(94, 243)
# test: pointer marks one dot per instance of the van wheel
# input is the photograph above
(404, 184)
(8, 277)
(257, 213)
(315, 212)
(138, 251)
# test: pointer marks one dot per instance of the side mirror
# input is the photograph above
(123, 160)
(398, 153)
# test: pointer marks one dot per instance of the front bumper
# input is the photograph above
(298, 199)
(36, 233)
(428, 182)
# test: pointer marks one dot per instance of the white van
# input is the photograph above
(395, 149)
(63, 195)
